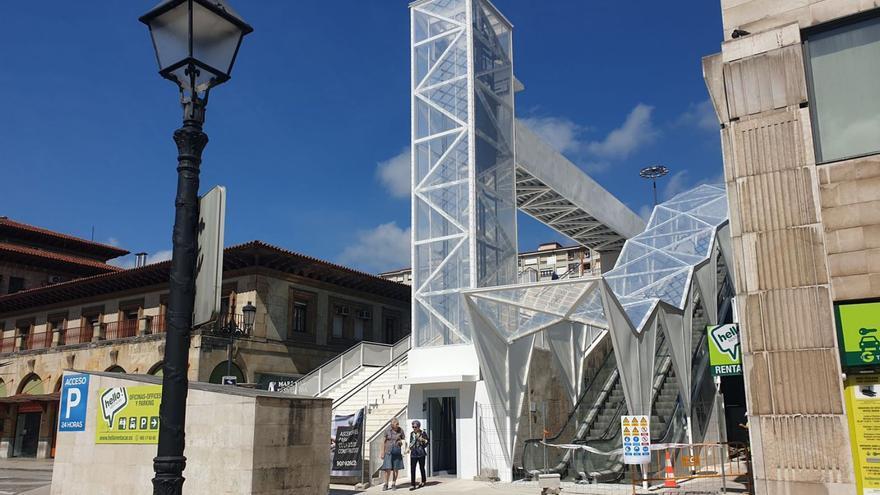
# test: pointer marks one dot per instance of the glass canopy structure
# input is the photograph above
(652, 288)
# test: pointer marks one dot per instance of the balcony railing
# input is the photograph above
(83, 334)
(8, 344)
(38, 341)
(120, 329)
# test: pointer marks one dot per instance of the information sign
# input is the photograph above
(863, 413)
(74, 402)
(858, 330)
(129, 415)
(725, 355)
(636, 439)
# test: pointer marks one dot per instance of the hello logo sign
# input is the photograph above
(74, 402)
(113, 400)
(725, 352)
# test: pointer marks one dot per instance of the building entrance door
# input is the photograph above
(441, 420)
(27, 434)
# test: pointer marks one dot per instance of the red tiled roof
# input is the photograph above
(250, 254)
(5, 247)
(105, 250)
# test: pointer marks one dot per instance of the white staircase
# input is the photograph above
(384, 396)
(350, 382)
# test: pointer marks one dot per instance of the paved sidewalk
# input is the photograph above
(25, 476)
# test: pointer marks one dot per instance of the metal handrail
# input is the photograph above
(356, 351)
(373, 444)
(375, 376)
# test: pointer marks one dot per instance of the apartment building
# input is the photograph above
(551, 261)
(308, 311)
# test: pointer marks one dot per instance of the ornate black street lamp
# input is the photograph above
(196, 42)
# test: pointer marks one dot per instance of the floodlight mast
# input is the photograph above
(654, 172)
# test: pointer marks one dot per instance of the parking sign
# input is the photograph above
(74, 402)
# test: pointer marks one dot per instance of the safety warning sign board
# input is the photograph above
(636, 434)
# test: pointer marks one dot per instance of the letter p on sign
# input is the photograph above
(74, 402)
(74, 396)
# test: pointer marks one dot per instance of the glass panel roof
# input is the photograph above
(657, 264)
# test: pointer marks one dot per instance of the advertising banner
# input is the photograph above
(74, 402)
(863, 413)
(858, 331)
(636, 439)
(128, 414)
(347, 445)
(725, 355)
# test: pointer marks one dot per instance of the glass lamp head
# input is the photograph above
(196, 41)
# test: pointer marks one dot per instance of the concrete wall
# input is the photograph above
(237, 441)
(804, 235)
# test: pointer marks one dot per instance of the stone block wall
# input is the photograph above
(784, 274)
(237, 441)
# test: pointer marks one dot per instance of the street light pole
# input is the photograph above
(654, 172)
(170, 461)
(196, 43)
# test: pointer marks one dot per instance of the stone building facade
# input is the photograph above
(308, 311)
(802, 170)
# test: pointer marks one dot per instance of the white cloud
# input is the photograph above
(700, 115)
(129, 260)
(637, 130)
(395, 174)
(675, 184)
(560, 133)
(565, 136)
(382, 248)
(645, 212)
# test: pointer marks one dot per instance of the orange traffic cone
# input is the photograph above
(669, 482)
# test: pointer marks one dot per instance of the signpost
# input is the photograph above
(229, 380)
(725, 351)
(858, 332)
(636, 439)
(129, 415)
(209, 259)
(74, 402)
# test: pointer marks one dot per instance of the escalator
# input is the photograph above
(595, 418)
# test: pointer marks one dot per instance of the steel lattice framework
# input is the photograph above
(463, 180)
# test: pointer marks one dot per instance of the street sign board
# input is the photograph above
(129, 415)
(862, 394)
(74, 402)
(636, 435)
(209, 257)
(725, 351)
(858, 332)
(229, 380)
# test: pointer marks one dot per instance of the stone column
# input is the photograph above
(145, 325)
(97, 332)
(7, 435)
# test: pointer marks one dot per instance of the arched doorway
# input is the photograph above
(157, 369)
(28, 419)
(115, 369)
(221, 370)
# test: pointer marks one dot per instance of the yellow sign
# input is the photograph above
(129, 414)
(691, 460)
(863, 411)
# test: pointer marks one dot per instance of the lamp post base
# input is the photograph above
(169, 475)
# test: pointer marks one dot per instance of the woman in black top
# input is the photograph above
(418, 450)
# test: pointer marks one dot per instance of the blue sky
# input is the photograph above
(308, 135)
